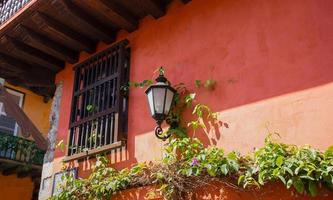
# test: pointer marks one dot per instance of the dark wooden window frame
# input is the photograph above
(98, 83)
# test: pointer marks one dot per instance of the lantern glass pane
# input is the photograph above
(168, 101)
(159, 95)
(151, 101)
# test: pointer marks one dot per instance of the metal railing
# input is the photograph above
(20, 149)
(9, 7)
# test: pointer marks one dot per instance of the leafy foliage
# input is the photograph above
(301, 167)
(187, 164)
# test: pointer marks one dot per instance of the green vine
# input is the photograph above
(187, 164)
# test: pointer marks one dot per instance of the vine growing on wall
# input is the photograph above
(187, 164)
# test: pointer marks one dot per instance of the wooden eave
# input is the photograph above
(37, 41)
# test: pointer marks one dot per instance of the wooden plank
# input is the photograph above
(27, 74)
(33, 55)
(186, 1)
(153, 8)
(117, 14)
(46, 92)
(4, 165)
(13, 162)
(87, 21)
(25, 173)
(47, 45)
(54, 27)
(10, 170)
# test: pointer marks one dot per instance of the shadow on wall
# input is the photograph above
(118, 158)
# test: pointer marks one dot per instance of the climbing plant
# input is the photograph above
(187, 164)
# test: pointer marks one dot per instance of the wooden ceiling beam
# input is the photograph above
(186, 1)
(27, 173)
(117, 15)
(9, 171)
(88, 21)
(153, 8)
(6, 74)
(26, 74)
(52, 26)
(46, 92)
(49, 46)
(33, 55)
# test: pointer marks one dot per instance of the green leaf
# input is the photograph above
(224, 169)
(279, 161)
(232, 156)
(289, 170)
(307, 177)
(240, 179)
(282, 179)
(211, 172)
(312, 188)
(61, 145)
(298, 185)
(210, 84)
(276, 171)
(261, 177)
(289, 183)
(329, 151)
(189, 99)
(198, 83)
(89, 108)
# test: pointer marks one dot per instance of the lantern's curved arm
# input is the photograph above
(159, 133)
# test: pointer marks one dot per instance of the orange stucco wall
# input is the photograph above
(218, 191)
(271, 59)
(13, 188)
(35, 108)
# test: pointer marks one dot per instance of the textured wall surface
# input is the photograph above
(45, 190)
(272, 61)
(13, 188)
(219, 191)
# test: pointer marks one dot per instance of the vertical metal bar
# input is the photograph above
(80, 139)
(85, 130)
(116, 127)
(119, 98)
(110, 131)
(103, 130)
(107, 124)
(71, 141)
(89, 134)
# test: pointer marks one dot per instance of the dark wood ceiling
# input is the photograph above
(35, 45)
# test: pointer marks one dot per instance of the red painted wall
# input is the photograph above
(272, 61)
(218, 191)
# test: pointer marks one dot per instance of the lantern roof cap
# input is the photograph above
(161, 78)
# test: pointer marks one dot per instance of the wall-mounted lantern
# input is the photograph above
(160, 96)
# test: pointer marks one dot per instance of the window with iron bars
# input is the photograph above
(98, 120)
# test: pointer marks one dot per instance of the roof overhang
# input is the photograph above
(37, 41)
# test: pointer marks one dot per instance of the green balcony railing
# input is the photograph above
(20, 149)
